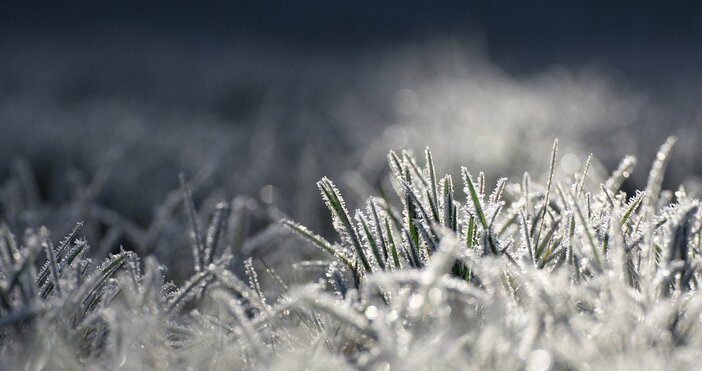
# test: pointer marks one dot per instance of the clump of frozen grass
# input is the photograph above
(69, 312)
(525, 276)
(564, 275)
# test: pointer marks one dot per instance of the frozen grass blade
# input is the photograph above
(581, 184)
(396, 166)
(468, 180)
(412, 252)
(496, 194)
(449, 214)
(392, 244)
(433, 197)
(547, 196)
(472, 192)
(91, 291)
(217, 225)
(409, 226)
(587, 231)
(342, 222)
(63, 247)
(545, 241)
(418, 173)
(53, 265)
(655, 177)
(198, 245)
(371, 240)
(253, 279)
(377, 228)
(633, 205)
(481, 183)
(626, 166)
(319, 242)
(470, 232)
(271, 272)
(526, 237)
(417, 205)
(190, 289)
(75, 253)
(432, 176)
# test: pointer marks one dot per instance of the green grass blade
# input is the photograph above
(472, 192)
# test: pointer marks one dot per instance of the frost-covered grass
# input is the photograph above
(564, 272)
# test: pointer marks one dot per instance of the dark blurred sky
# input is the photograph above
(520, 34)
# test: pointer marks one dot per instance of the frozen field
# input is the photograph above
(257, 205)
